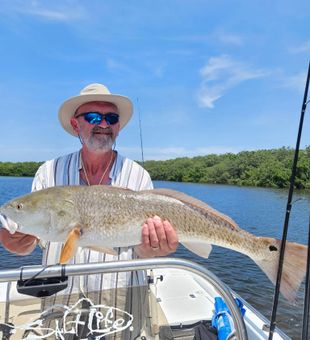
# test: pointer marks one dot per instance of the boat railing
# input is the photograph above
(28, 272)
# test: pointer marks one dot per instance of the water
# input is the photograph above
(260, 211)
(11, 187)
(257, 210)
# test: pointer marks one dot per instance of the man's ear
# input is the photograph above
(74, 124)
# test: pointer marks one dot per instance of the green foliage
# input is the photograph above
(19, 169)
(263, 168)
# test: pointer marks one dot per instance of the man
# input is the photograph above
(96, 116)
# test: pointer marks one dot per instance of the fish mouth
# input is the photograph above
(8, 224)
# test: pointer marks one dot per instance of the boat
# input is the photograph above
(181, 298)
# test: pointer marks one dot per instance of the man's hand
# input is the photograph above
(18, 243)
(158, 238)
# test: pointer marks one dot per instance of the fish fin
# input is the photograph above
(70, 246)
(196, 204)
(110, 251)
(200, 248)
(294, 266)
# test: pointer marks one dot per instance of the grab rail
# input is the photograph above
(123, 266)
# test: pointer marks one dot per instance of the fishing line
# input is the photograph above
(140, 130)
(298, 199)
(35, 275)
(42, 287)
(288, 211)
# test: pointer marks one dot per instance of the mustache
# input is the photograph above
(97, 129)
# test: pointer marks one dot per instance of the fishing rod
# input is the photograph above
(140, 129)
(288, 211)
(305, 321)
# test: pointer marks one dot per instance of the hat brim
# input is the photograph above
(69, 107)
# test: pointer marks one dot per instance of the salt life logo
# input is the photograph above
(84, 319)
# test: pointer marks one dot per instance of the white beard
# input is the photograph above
(103, 143)
(97, 142)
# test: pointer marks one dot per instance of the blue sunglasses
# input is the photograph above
(95, 118)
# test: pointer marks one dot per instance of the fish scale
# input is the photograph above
(104, 217)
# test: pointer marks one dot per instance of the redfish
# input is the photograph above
(103, 217)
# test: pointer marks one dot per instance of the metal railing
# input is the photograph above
(29, 272)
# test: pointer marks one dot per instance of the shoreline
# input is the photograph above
(202, 183)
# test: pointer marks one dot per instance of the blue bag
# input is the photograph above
(222, 319)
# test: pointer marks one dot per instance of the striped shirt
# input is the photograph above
(124, 173)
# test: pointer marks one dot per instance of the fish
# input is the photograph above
(102, 217)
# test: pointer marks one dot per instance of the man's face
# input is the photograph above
(96, 137)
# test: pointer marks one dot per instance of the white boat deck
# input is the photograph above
(178, 293)
(187, 299)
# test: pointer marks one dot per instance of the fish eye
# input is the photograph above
(19, 206)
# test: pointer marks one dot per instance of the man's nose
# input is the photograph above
(104, 123)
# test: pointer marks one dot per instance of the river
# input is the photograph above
(258, 210)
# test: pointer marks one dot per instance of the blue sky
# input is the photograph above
(206, 76)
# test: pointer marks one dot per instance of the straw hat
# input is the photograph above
(91, 93)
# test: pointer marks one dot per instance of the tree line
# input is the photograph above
(19, 169)
(261, 168)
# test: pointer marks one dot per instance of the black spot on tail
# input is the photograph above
(273, 248)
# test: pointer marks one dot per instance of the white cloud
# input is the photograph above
(174, 152)
(296, 82)
(114, 65)
(31, 154)
(230, 39)
(193, 38)
(48, 14)
(24, 154)
(302, 48)
(221, 74)
(218, 36)
(208, 95)
(159, 70)
(65, 12)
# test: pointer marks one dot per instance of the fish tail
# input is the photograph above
(294, 265)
